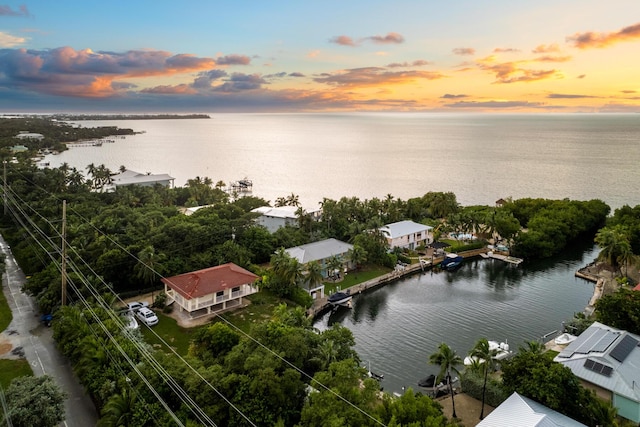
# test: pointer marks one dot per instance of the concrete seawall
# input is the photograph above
(321, 305)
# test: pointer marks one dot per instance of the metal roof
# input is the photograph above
(317, 251)
(607, 357)
(403, 228)
(520, 411)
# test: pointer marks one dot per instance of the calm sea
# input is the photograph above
(479, 157)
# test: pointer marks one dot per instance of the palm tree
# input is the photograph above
(448, 361)
(357, 255)
(482, 351)
(119, 409)
(313, 274)
(334, 263)
(148, 266)
(614, 245)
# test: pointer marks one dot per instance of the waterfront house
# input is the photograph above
(129, 177)
(30, 135)
(322, 252)
(607, 361)
(210, 290)
(520, 411)
(274, 218)
(407, 234)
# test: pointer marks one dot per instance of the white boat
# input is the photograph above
(501, 349)
(564, 339)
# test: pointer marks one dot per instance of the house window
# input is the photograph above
(235, 292)
(219, 294)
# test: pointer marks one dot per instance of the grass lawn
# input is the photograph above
(10, 369)
(174, 335)
(355, 277)
(260, 310)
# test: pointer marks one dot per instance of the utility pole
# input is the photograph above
(64, 253)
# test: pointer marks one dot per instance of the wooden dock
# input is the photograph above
(401, 270)
(506, 258)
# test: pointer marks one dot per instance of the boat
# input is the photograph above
(340, 298)
(377, 377)
(501, 349)
(565, 339)
(451, 261)
(428, 381)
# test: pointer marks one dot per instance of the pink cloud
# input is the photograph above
(374, 76)
(390, 38)
(546, 48)
(233, 60)
(464, 51)
(343, 41)
(7, 11)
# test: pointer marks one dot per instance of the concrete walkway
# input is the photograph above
(36, 341)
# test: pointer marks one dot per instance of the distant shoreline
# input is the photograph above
(78, 117)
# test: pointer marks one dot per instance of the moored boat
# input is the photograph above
(565, 339)
(340, 298)
(451, 261)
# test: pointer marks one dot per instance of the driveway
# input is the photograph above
(26, 333)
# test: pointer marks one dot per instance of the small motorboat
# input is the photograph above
(340, 298)
(501, 352)
(451, 261)
(565, 339)
(428, 381)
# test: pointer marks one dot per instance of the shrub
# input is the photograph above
(471, 383)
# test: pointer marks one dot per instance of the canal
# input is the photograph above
(398, 326)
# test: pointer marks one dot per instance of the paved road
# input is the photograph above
(26, 331)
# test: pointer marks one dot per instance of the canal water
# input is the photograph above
(398, 326)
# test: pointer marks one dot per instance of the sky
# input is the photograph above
(320, 56)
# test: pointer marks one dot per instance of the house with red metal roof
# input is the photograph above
(210, 290)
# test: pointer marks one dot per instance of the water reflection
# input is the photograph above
(397, 326)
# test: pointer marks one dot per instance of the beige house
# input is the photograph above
(210, 290)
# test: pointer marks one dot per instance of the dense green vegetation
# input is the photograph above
(55, 134)
(279, 370)
(552, 224)
(620, 310)
(35, 402)
(535, 375)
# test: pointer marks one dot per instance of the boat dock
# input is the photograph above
(93, 143)
(506, 258)
(321, 305)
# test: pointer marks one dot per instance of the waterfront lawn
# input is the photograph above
(260, 310)
(10, 369)
(353, 278)
(168, 329)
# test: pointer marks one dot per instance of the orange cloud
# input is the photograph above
(374, 76)
(592, 39)
(546, 48)
(548, 58)
(512, 72)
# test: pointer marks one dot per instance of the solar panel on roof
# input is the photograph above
(599, 341)
(624, 347)
(598, 367)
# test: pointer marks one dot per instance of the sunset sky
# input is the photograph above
(318, 56)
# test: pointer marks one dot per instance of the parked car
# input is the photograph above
(146, 316)
(137, 305)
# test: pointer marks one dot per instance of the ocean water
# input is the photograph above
(479, 157)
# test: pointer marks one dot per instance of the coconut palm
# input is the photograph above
(313, 273)
(119, 409)
(482, 351)
(614, 245)
(448, 361)
(357, 255)
(334, 263)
